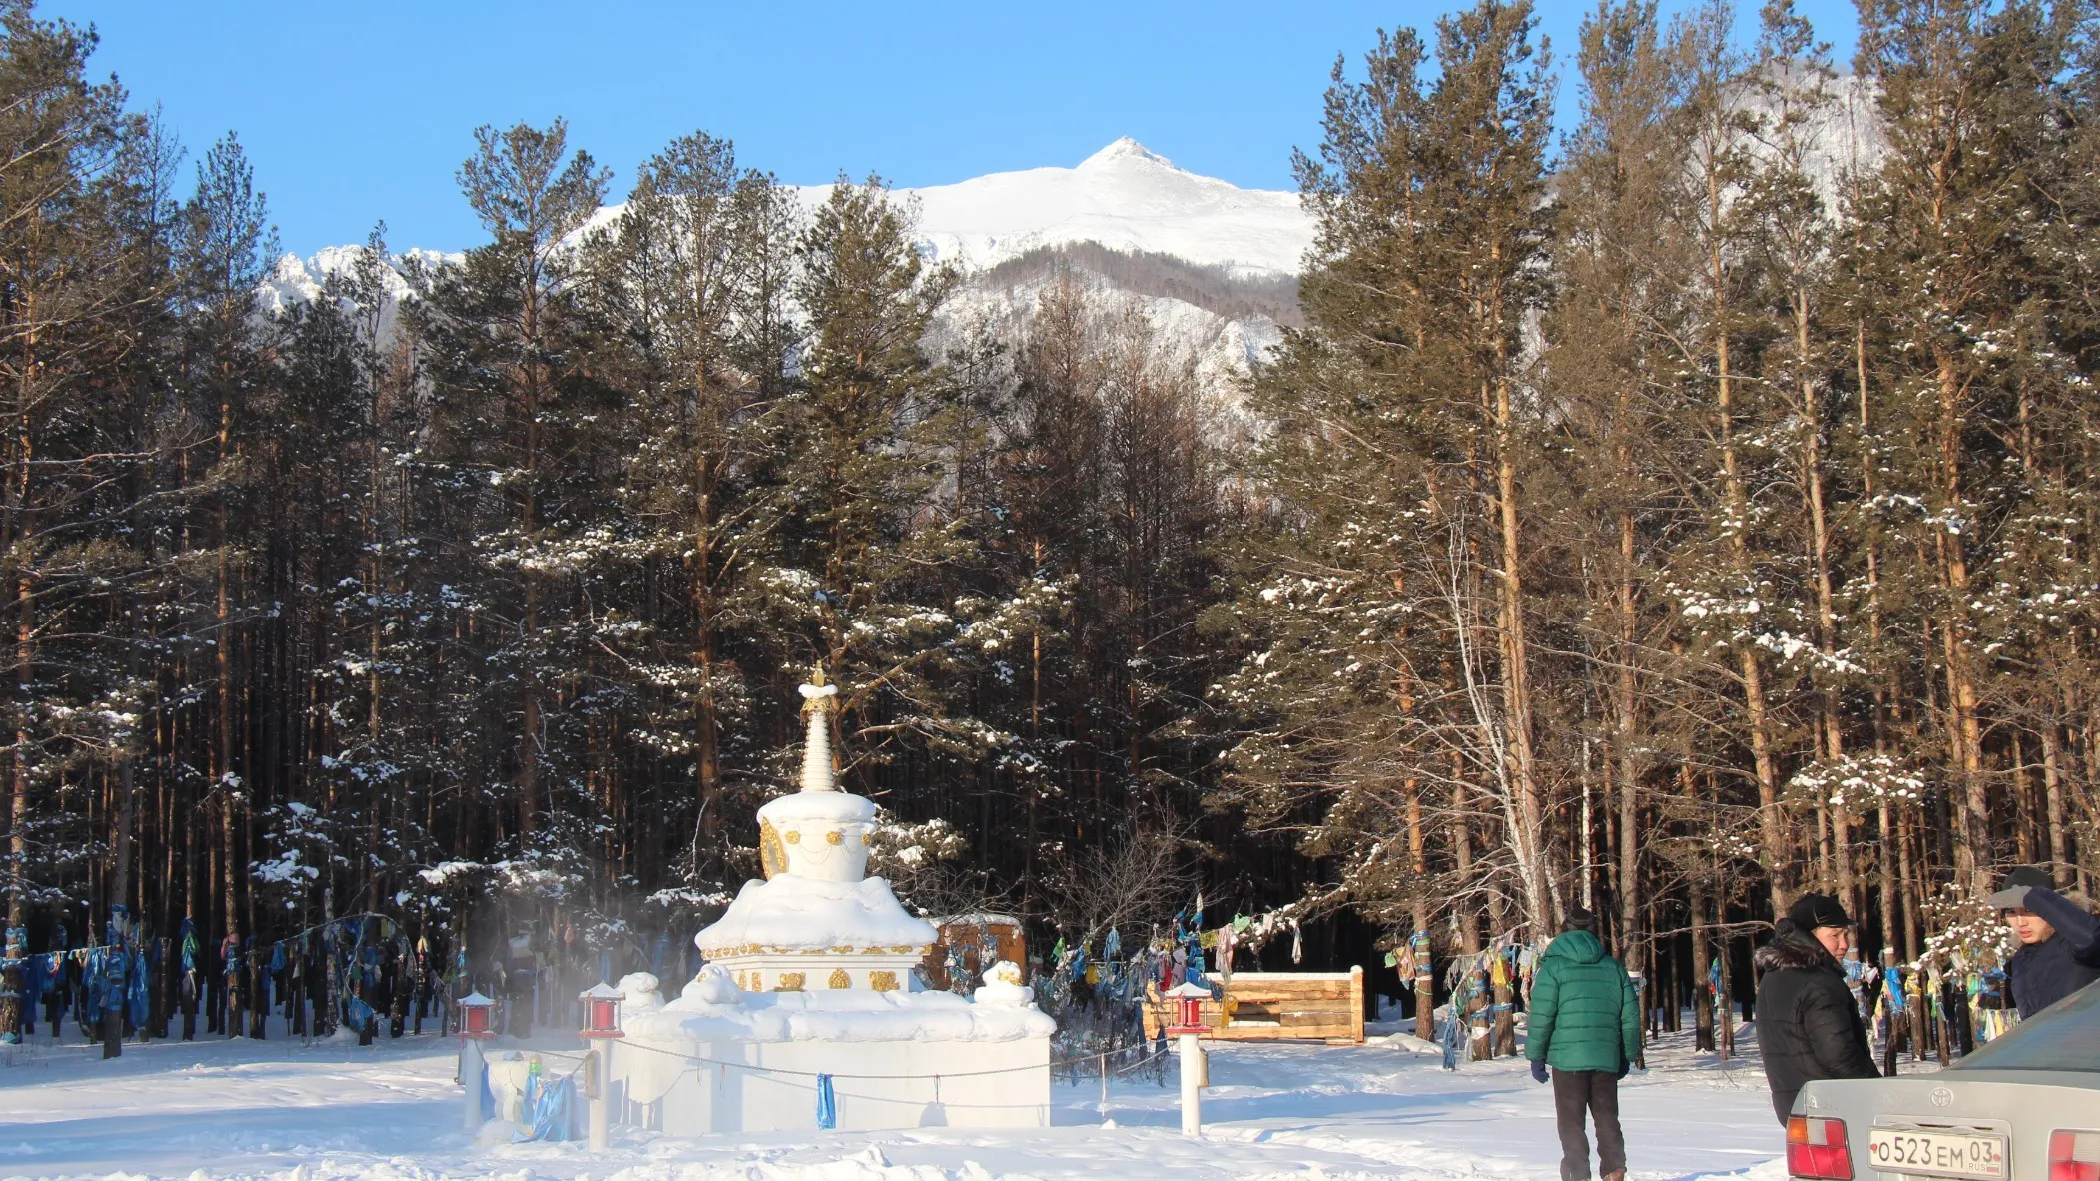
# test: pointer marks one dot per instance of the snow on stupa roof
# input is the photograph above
(789, 912)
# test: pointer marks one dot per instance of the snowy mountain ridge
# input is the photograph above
(1136, 203)
(1125, 197)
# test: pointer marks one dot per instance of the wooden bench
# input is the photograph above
(1276, 1006)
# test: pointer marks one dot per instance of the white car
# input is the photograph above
(2025, 1107)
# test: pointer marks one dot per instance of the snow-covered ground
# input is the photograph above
(276, 1109)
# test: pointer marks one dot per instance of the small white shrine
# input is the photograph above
(811, 972)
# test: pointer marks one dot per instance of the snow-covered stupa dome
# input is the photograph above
(817, 921)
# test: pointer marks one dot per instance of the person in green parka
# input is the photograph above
(1585, 1022)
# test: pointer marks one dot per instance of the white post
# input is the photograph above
(599, 1072)
(1191, 1085)
(470, 1079)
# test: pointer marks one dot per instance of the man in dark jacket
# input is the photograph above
(1807, 1024)
(2059, 941)
(1586, 1023)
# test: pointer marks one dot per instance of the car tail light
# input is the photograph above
(2074, 1156)
(1816, 1148)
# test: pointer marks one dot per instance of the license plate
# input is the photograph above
(1936, 1154)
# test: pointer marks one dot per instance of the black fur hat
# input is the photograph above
(1818, 910)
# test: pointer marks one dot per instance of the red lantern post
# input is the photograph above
(476, 1025)
(601, 1012)
(1188, 999)
(601, 1027)
(476, 1017)
(1194, 1070)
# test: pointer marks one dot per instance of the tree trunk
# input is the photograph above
(2053, 804)
(127, 825)
(1702, 1000)
(1424, 983)
(1776, 854)
(1831, 727)
(1528, 840)
(1461, 830)
(1972, 850)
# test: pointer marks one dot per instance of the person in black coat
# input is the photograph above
(2059, 941)
(1807, 1024)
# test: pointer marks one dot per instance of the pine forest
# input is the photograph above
(1665, 514)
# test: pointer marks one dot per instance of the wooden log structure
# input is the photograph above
(969, 931)
(1276, 1006)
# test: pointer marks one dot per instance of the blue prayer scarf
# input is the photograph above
(827, 1104)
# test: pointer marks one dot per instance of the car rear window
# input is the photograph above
(2064, 1036)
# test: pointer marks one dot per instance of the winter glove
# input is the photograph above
(1538, 1071)
(1625, 1068)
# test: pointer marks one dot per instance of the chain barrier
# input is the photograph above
(1053, 1064)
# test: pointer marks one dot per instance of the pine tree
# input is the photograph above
(1964, 107)
(1400, 460)
(858, 544)
(69, 290)
(1614, 362)
(224, 251)
(512, 404)
(693, 281)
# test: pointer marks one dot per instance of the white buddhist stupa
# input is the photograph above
(817, 921)
(811, 972)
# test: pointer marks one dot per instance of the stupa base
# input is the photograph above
(895, 1060)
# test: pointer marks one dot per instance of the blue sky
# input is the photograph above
(353, 111)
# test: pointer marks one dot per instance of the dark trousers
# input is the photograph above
(1597, 1092)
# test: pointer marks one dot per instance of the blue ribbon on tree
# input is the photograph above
(1452, 1037)
(139, 1001)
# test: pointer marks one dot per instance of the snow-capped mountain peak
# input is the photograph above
(1125, 197)
(1125, 148)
